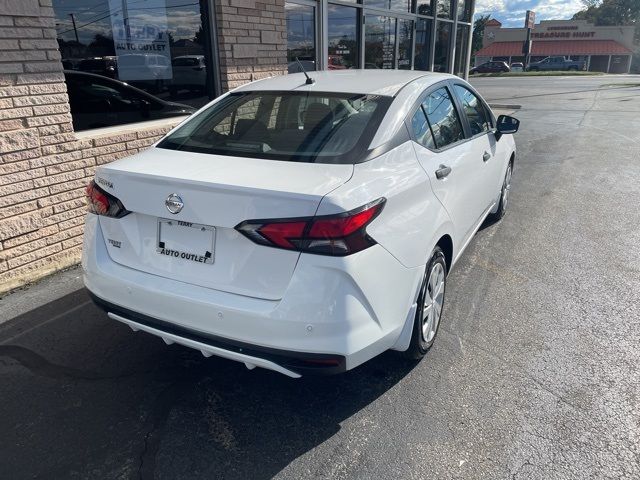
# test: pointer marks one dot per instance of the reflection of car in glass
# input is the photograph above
(308, 65)
(149, 70)
(189, 73)
(490, 67)
(298, 228)
(105, 66)
(336, 62)
(517, 67)
(98, 101)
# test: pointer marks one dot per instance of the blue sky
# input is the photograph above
(512, 12)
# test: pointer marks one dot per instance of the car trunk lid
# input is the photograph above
(218, 192)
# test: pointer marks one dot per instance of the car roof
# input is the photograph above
(373, 82)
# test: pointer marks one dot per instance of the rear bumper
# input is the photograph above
(335, 314)
(292, 364)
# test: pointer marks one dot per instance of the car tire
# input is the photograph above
(533, 69)
(504, 195)
(429, 310)
(573, 69)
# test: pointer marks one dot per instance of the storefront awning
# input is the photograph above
(555, 47)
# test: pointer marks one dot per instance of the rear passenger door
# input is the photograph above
(448, 159)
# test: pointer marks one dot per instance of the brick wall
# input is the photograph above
(252, 38)
(44, 165)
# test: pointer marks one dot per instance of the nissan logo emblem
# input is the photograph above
(174, 203)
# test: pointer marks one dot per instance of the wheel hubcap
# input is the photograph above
(505, 188)
(433, 300)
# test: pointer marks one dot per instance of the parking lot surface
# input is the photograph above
(534, 373)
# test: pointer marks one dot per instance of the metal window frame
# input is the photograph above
(317, 35)
(322, 30)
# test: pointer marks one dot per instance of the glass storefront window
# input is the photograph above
(424, 7)
(128, 61)
(301, 36)
(397, 5)
(462, 45)
(441, 56)
(464, 10)
(423, 44)
(379, 42)
(444, 8)
(343, 37)
(405, 37)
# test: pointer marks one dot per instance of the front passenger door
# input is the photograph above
(483, 142)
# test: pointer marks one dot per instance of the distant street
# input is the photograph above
(534, 375)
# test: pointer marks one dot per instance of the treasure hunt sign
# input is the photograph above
(569, 32)
(141, 41)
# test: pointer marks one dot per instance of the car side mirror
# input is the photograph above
(507, 125)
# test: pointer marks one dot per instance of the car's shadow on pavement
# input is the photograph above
(87, 397)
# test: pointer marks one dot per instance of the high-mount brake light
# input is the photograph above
(338, 235)
(103, 203)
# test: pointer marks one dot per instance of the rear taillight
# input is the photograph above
(103, 203)
(337, 235)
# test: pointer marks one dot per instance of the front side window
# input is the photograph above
(291, 126)
(474, 110)
(443, 118)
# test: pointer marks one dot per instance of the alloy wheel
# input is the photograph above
(433, 301)
(506, 187)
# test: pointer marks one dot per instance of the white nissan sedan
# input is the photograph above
(301, 225)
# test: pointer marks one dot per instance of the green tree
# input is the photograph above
(478, 32)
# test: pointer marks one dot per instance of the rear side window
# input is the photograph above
(473, 109)
(443, 118)
(291, 126)
(421, 129)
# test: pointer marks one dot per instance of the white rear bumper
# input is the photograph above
(353, 307)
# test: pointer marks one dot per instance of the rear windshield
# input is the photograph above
(291, 126)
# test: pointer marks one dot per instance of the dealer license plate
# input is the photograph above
(191, 242)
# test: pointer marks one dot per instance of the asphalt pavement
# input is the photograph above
(534, 375)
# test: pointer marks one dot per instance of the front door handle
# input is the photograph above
(442, 172)
(486, 157)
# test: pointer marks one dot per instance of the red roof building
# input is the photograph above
(603, 48)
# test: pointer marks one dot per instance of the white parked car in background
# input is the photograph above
(189, 72)
(301, 227)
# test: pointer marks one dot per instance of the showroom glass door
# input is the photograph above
(405, 43)
(301, 36)
(379, 42)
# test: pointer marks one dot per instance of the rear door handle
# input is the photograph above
(486, 157)
(442, 172)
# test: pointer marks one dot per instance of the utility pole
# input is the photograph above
(529, 23)
(75, 30)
